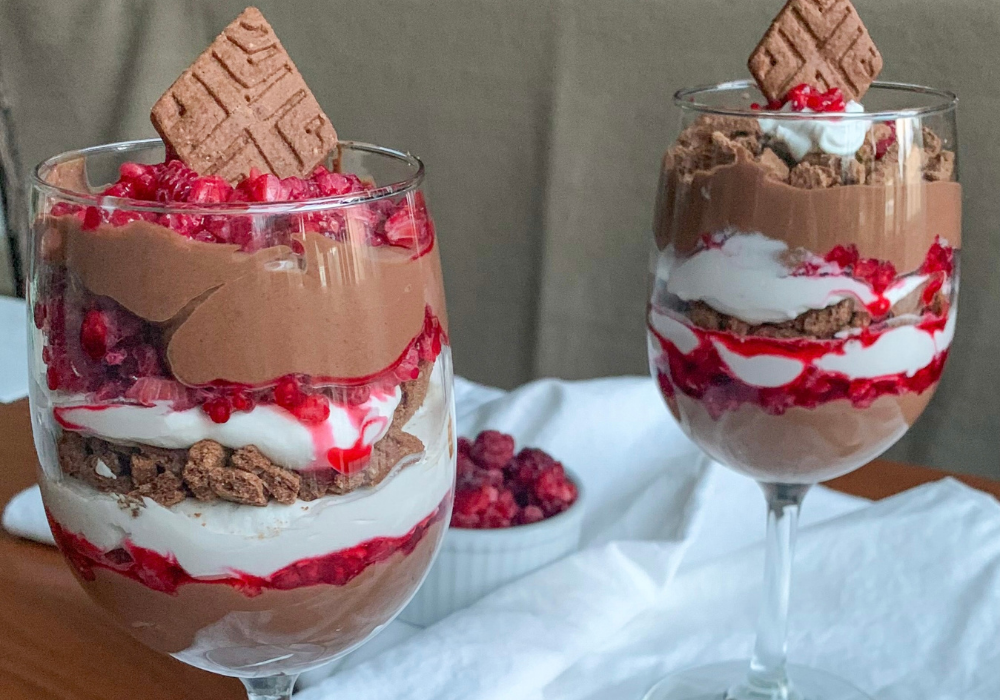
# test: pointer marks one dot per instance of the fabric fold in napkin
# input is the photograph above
(13, 349)
(901, 596)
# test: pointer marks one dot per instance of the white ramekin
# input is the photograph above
(473, 563)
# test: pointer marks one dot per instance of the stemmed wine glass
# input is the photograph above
(804, 290)
(241, 399)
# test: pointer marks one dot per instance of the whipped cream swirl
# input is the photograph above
(837, 137)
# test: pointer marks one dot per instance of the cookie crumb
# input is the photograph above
(774, 167)
(812, 177)
(281, 484)
(237, 486)
(205, 458)
(167, 489)
(144, 469)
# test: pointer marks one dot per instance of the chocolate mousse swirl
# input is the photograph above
(337, 311)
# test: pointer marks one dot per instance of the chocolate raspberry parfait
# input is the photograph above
(804, 284)
(806, 276)
(242, 397)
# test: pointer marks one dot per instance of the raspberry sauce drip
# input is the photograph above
(163, 573)
(703, 375)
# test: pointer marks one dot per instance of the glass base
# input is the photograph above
(723, 681)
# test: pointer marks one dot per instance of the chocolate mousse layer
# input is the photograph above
(338, 310)
(218, 628)
(725, 174)
(802, 445)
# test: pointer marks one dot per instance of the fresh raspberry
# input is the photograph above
(52, 378)
(492, 449)
(878, 274)
(931, 289)
(471, 522)
(313, 409)
(94, 334)
(531, 514)
(209, 190)
(218, 409)
(408, 226)
(940, 258)
(242, 401)
(67, 209)
(40, 312)
(331, 184)
(528, 465)
(287, 393)
(465, 468)
(149, 390)
(184, 224)
(173, 182)
(554, 491)
(147, 361)
(93, 218)
(475, 501)
(882, 145)
(845, 256)
(494, 488)
(409, 367)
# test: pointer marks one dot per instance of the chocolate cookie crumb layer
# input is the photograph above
(713, 141)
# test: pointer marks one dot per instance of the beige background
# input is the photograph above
(542, 123)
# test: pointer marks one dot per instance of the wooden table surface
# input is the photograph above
(57, 645)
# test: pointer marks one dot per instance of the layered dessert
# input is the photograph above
(806, 276)
(243, 413)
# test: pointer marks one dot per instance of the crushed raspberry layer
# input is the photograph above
(163, 573)
(703, 375)
(405, 222)
(496, 488)
(94, 346)
(804, 96)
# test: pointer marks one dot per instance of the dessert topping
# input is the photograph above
(824, 43)
(243, 104)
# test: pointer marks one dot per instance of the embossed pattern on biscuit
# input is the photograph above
(243, 104)
(819, 42)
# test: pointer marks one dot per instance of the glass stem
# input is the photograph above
(270, 688)
(767, 678)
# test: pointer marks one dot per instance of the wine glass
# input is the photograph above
(804, 290)
(241, 400)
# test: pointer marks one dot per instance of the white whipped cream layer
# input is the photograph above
(837, 137)
(282, 437)
(214, 539)
(747, 278)
(905, 349)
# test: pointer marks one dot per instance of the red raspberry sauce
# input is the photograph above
(703, 375)
(162, 572)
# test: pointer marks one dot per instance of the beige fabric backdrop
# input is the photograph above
(542, 123)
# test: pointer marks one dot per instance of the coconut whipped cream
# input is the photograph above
(746, 277)
(278, 434)
(838, 137)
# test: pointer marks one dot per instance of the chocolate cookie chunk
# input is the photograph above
(243, 104)
(819, 42)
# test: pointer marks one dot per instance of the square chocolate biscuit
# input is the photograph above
(243, 104)
(820, 42)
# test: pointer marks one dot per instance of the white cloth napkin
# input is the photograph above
(13, 350)
(898, 596)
